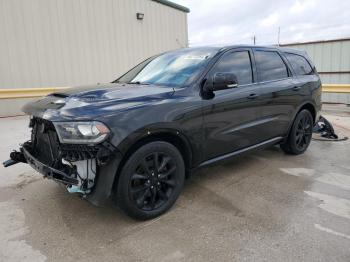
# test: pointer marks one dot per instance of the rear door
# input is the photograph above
(230, 117)
(278, 95)
(306, 79)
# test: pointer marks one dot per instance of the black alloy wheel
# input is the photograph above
(303, 132)
(151, 180)
(300, 135)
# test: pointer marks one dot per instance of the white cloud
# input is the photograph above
(270, 20)
(237, 21)
(301, 6)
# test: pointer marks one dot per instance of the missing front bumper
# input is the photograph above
(102, 191)
(47, 171)
(87, 169)
(25, 156)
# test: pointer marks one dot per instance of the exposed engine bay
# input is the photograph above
(74, 165)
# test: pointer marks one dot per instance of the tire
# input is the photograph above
(300, 134)
(145, 191)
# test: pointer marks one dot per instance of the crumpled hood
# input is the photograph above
(85, 102)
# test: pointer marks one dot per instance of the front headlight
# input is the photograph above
(81, 132)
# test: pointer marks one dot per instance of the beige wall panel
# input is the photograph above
(73, 42)
(331, 57)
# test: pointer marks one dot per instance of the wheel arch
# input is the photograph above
(310, 107)
(174, 137)
(306, 105)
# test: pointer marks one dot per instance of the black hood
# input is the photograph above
(113, 91)
(85, 101)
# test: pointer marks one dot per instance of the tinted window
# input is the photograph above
(237, 63)
(170, 69)
(299, 64)
(270, 66)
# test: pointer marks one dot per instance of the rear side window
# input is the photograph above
(270, 66)
(299, 64)
(238, 63)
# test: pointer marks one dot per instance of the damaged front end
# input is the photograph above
(67, 156)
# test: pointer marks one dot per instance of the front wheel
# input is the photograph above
(300, 134)
(151, 180)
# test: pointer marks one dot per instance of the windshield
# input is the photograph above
(170, 69)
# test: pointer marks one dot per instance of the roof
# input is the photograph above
(173, 5)
(271, 48)
(229, 47)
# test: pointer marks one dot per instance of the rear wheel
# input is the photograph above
(300, 134)
(151, 180)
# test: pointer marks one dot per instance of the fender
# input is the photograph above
(150, 132)
(102, 192)
(108, 174)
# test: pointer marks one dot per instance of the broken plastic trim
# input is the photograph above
(102, 152)
(326, 130)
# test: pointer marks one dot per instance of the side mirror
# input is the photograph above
(222, 81)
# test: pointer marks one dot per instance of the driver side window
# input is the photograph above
(238, 63)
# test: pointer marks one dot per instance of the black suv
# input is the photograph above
(135, 140)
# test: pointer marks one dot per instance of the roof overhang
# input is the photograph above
(173, 5)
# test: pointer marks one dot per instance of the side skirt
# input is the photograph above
(266, 143)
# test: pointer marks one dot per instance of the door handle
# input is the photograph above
(296, 88)
(232, 85)
(253, 96)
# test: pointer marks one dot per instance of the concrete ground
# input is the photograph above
(266, 206)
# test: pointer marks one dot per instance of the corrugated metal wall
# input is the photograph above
(332, 60)
(73, 42)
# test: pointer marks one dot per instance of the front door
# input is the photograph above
(231, 116)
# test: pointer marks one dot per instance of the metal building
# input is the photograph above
(332, 60)
(59, 43)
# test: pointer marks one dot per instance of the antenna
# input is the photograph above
(278, 35)
(254, 39)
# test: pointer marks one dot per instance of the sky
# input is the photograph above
(225, 22)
